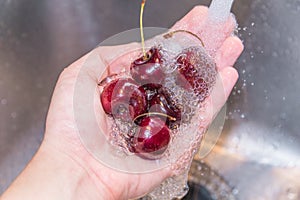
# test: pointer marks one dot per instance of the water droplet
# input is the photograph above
(14, 127)
(24, 35)
(3, 101)
(235, 191)
(199, 168)
(252, 84)
(283, 98)
(292, 194)
(290, 40)
(13, 115)
(242, 116)
(39, 85)
(235, 143)
(244, 71)
(275, 54)
(252, 24)
(283, 116)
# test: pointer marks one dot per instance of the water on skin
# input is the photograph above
(218, 25)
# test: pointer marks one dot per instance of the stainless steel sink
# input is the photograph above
(258, 153)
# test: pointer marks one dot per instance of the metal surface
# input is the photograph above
(258, 153)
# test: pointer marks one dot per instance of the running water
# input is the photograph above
(218, 25)
(219, 10)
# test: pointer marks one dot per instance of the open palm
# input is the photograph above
(62, 134)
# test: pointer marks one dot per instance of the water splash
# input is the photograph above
(219, 25)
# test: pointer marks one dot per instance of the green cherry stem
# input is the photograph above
(170, 34)
(154, 114)
(141, 28)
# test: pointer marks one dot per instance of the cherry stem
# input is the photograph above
(141, 28)
(155, 113)
(170, 34)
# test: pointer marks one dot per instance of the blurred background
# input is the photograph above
(259, 151)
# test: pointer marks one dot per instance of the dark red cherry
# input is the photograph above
(152, 138)
(124, 99)
(108, 79)
(148, 69)
(161, 103)
(152, 86)
(106, 96)
(189, 76)
(151, 90)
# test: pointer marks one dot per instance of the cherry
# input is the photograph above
(151, 90)
(152, 86)
(147, 69)
(161, 103)
(152, 138)
(123, 99)
(189, 77)
(107, 79)
(106, 96)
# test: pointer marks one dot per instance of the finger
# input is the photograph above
(229, 52)
(225, 82)
(228, 78)
(192, 20)
(213, 34)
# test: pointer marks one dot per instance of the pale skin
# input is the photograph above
(62, 167)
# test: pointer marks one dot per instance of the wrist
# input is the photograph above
(52, 174)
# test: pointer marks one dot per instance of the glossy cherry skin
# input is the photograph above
(151, 90)
(188, 76)
(161, 103)
(152, 138)
(123, 99)
(148, 69)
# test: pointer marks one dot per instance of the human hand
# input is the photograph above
(85, 177)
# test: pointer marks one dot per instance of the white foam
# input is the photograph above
(219, 10)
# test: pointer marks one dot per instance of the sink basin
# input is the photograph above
(258, 153)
